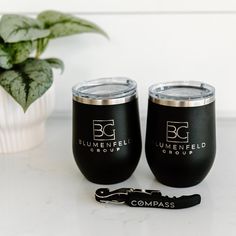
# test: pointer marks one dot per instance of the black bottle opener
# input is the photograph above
(145, 198)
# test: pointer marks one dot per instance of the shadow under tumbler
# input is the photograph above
(106, 129)
(180, 136)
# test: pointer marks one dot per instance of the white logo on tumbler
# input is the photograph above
(176, 132)
(103, 130)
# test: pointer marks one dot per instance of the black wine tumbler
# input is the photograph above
(180, 136)
(106, 129)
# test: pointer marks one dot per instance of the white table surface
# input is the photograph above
(43, 193)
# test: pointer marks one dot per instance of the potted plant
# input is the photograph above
(26, 91)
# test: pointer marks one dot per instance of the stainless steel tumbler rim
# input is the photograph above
(105, 91)
(182, 94)
(104, 101)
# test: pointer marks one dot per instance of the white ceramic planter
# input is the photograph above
(21, 131)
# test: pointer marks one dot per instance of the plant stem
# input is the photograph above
(37, 54)
(41, 46)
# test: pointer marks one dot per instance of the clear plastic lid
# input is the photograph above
(182, 93)
(105, 91)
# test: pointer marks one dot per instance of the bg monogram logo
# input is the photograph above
(103, 130)
(176, 132)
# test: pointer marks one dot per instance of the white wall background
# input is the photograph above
(150, 41)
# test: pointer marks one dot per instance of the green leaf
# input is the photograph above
(5, 58)
(13, 83)
(16, 28)
(14, 53)
(61, 24)
(56, 63)
(28, 82)
(20, 51)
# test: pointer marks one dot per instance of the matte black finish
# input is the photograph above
(106, 140)
(180, 143)
(145, 198)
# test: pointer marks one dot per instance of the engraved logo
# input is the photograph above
(177, 132)
(103, 130)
